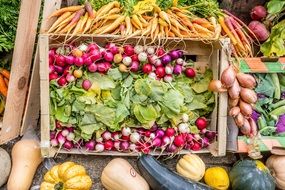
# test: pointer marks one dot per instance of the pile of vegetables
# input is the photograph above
(134, 18)
(241, 97)
(127, 98)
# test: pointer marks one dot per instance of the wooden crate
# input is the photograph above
(211, 54)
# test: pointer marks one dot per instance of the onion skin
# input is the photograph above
(246, 80)
(216, 86)
(234, 91)
(233, 102)
(253, 127)
(228, 77)
(248, 95)
(239, 120)
(245, 108)
(234, 111)
(245, 129)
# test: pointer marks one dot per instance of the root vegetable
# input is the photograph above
(248, 95)
(90, 145)
(239, 120)
(253, 127)
(168, 78)
(201, 123)
(259, 30)
(258, 13)
(234, 90)
(216, 86)
(234, 111)
(246, 80)
(118, 58)
(245, 108)
(177, 69)
(233, 102)
(245, 128)
(228, 77)
(86, 84)
(190, 72)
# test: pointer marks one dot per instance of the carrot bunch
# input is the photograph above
(4, 81)
(73, 20)
(239, 34)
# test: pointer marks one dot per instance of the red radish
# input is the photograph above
(135, 57)
(142, 57)
(99, 147)
(147, 68)
(152, 75)
(172, 148)
(64, 132)
(150, 50)
(190, 72)
(70, 136)
(126, 131)
(258, 13)
(84, 56)
(183, 128)
(108, 145)
(68, 145)
(170, 132)
(58, 125)
(197, 137)
(51, 61)
(107, 135)
(154, 127)
(147, 133)
(114, 50)
(54, 142)
(92, 46)
(67, 70)
(189, 137)
(124, 146)
(103, 67)
(86, 84)
(174, 54)
(180, 61)
(160, 51)
(179, 141)
(126, 138)
(168, 69)
(102, 51)
(165, 59)
(70, 78)
(205, 142)
(156, 142)
(61, 139)
(152, 60)
(58, 69)
(123, 68)
(78, 61)
(259, 30)
(95, 55)
(87, 61)
(159, 133)
(52, 134)
(201, 123)
(61, 81)
(160, 72)
(210, 135)
(99, 140)
(108, 56)
(118, 58)
(166, 140)
(77, 73)
(51, 53)
(59, 60)
(116, 136)
(92, 68)
(168, 78)
(138, 49)
(135, 137)
(117, 145)
(196, 146)
(145, 148)
(127, 60)
(51, 69)
(109, 45)
(177, 69)
(134, 66)
(69, 59)
(129, 50)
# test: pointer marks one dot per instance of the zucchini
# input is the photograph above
(162, 178)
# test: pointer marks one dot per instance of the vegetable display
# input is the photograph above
(161, 178)
(191, 166)
(128, 98)
(5, 166)
(251, 174)
(217, 177)
(275, 165)
(67, 175)
(127, 180)
(26, 157)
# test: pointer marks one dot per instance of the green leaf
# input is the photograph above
(103, 114)
(60, 114)
(148, 112)
(104, 82)
(121, 113)
(128, 81)
(142, 87)
(115, 74)
(195, 105)
(158, 90)
(275, 6)
(173, 100)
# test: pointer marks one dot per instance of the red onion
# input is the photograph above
(92, 68)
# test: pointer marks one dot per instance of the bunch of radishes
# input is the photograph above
(138, 139)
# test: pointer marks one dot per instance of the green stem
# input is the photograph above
(266, 128)
(277, 92)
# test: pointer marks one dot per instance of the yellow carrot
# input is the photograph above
(84, 20)
(135, 24)
(88, 25)
(165, 17)
(114, 25)
(162, 22)
(137, 21)
(201, 29)
(66, 9)
(59, 20)
(128, 25)
(105, 9)
(226, 30)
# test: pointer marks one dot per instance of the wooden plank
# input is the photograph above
(32, 108)
(44, 94)
(20, 70)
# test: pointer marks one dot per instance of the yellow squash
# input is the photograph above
(191, 166)
(217, 178)
(67, 176)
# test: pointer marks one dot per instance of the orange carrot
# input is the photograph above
(6, 82)
(5, 73)
(232, 30)
(227, 31)
(3, 87)
(66, 9)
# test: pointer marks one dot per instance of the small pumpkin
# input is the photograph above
(66, 176)
(276, 166)
(251, 175)
(217, 177)
(120, 175)
(191, 166)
